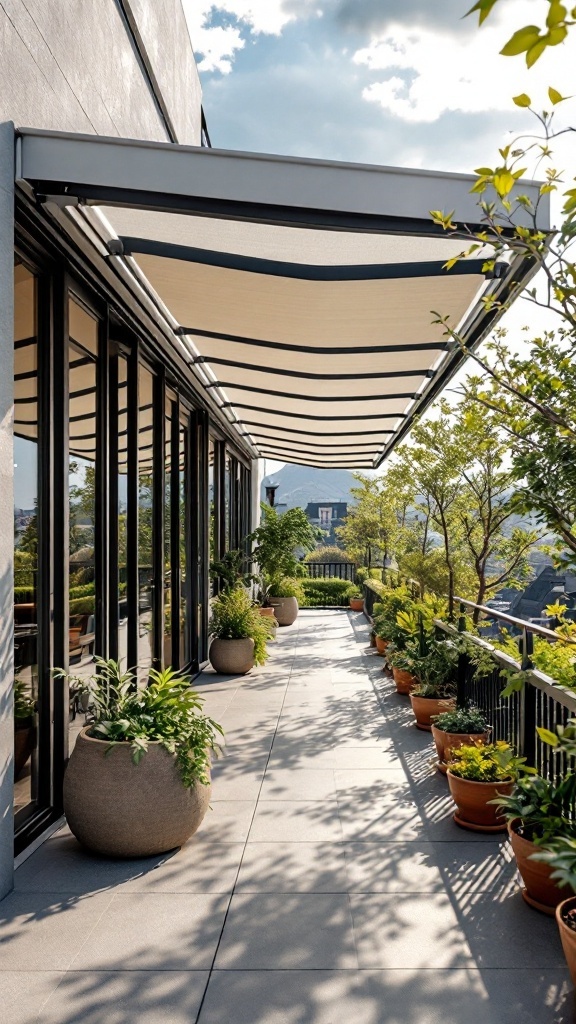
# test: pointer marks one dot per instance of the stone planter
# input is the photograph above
(121, 809)
(232, 657)
(285, 610)
(446, 742)
(426, 708)
(356, 604)
(472, 799)
(404, 680)
(567, 934)
(540, 891)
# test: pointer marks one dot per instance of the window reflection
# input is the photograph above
(122, 508)
(26, 581)
(184, 519)
(145, 492)
(82, 368)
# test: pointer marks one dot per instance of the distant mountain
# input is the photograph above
(300, 484)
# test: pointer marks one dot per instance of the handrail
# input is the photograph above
(522, 624)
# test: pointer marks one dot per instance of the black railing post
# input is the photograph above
(528, 709)
(462, 666)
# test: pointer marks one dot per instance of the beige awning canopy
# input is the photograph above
(303, 292)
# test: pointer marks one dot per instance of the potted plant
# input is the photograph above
(138, 779)
(239, 633)
(24, 726)
(276, 541)
(561, 859)
(536, 812)
(284, 595)
(436, 691)
(402, 662)
(456, 728)
(480, 776)
(355, 598)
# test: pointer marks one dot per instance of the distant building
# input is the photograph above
(549, 587)
(328, 515)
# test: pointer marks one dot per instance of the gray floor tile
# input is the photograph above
(430, 867)
(154, 932)
(40, 932)
(227, 821)
(287, 932)
(299, 784)
(63, 866)
(296, 821)
(126, 997)
(292, 867)
(233, 779)
(23, 993)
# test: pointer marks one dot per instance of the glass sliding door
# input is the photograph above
(82, 352)
(146, 582)
(28, 699)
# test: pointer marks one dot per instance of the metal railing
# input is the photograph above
(331, 570)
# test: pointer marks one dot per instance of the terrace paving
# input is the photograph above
(327, 885)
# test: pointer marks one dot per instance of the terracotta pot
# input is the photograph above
(285, 609)
(541, 891)
(404, 680)
(24, 742)
(267, 612)
(357, 604)
(425, 708)
(122, 809)
(232, 657)
(447, 741)
(381, 644)
(472, 800)
(567, 935)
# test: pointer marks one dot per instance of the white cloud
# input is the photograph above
(441, 72)
(218, 44)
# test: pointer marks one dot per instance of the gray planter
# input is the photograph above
(125, 810)
(285, 610)
(232, 657)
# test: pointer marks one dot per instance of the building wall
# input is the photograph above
(86, 65)
(107, 67)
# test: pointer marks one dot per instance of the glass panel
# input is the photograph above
(122, 507)
(168, 610)
(212, 507)
(145, 492)
(185, 657)
(26, 695)
(82, 368)
(228, 490)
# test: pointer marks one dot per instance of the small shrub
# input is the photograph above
(461, 720)
(493, 762)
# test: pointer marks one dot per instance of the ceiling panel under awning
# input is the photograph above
(302, 292)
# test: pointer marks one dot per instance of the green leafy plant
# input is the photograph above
(324, 591)
(167, 711)
(353, 593)
(24, 706)
(286, 586)
(234, 617)
(232, 570)
(276, 541)
(561, 856)
(542, 805)
(436, 670)
(491, 762)
(461, 720)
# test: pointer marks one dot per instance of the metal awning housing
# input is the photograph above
(302, 291)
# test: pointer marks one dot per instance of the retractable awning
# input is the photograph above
(301, 290)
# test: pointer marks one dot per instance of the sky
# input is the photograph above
(409, 83)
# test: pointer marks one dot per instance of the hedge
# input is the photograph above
(326, 591)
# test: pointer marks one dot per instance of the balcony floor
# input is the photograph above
(327, 885)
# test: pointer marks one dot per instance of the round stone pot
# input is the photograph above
(232, 657)
(357, 604)
(404, 680)
(540, 892)
(285, 610)
(473, 802)
(567, 934)
(426, 708)
(122, 809)
(446, 742)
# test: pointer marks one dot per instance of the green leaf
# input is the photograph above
(483, 7)
(536, 51)
(547, 737)
(555, 96)
(521, 41)
(522, 100)
(556, 14)
(484, 171)
(503, 183)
